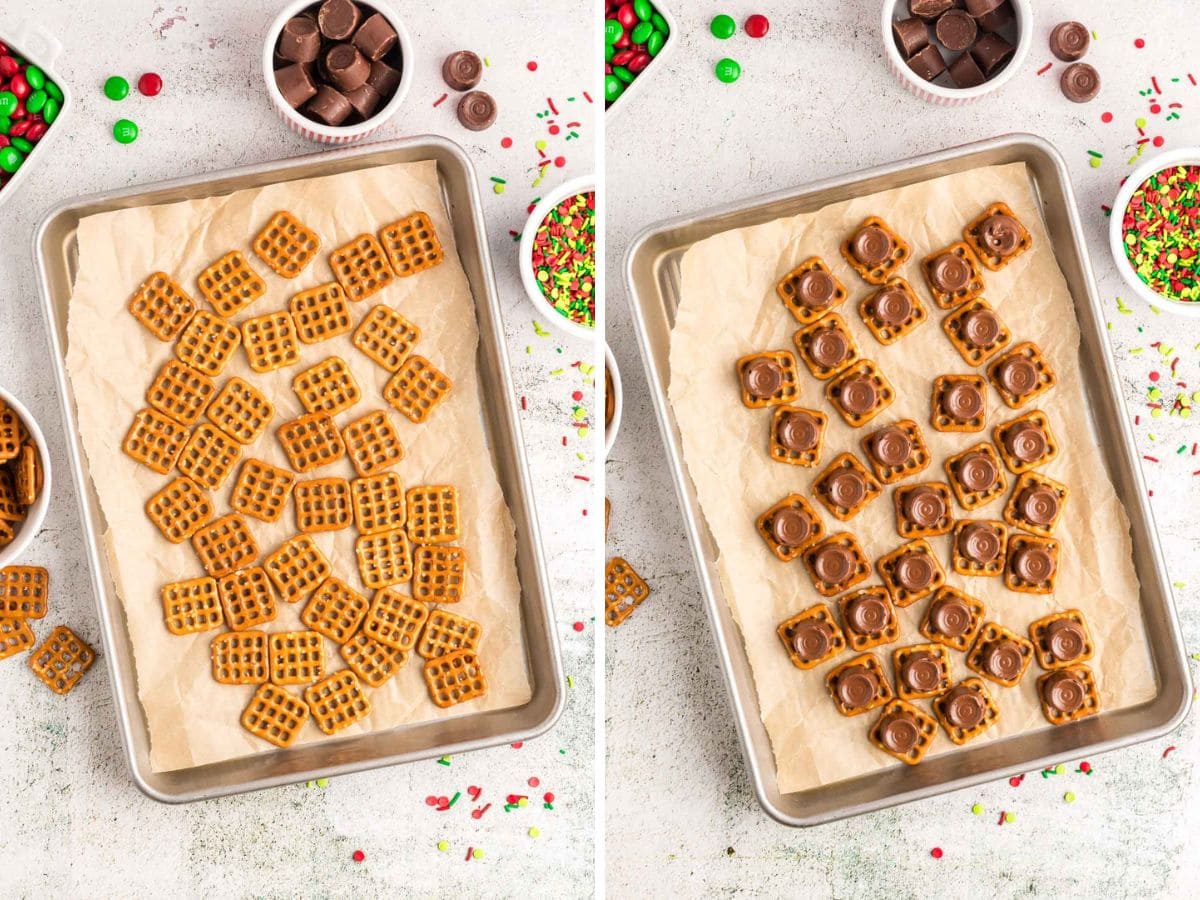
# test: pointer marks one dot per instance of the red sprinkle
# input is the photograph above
(936, 852)
(1154, 376)
(534, 782)
(518, 745)
(531, 65)
(1158, 141)
(470, 850)
(1155, 108)
(431, 800)
(577, 396)
(548, 797)
(1085, 766)
(1167, 751)
(560, 161)
(150, 84)
(1016, 780)
(473, 792)
(506, 142)
(578, 626)
(1106, 117)
(359, 856)
(440, 100)
(1139, 43)
(1044, 69)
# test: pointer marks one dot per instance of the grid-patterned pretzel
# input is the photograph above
(825, 487)
(384, 558)
(885, 331)
(372, 443)
(297, 568)
(781, 453)
(1020, 543)
(966, 565)
(807, 338)
(296, 657)
(417, 388)
(378, 502)
(1045, 377)
(926, 731)
(322, 504)
(1091, 695)
(240, 657)
(958, 734)
(230, 285)
(361, 267)
(247, 598)
(889, 630)
(261, 490)
(337, 702)
(972, 289)
(788, 288)
(394, 619)
(275, 715)
(270, 341)
(181, 392)
(956, 327)
(988, 634)
(372, 661)
(624, 591)
(209, 456)
(15, 636)
(191, 606)
(885, 394)
(860, 568)
(179, 509)
(447, 632)
(941, 658)
(321, 313)
(286, 244)
(439, 573)
(11, 508)
(889, 565)
(311, 441)
(162, 306)
(910, 528)
(61, 660)
(1015, 515)
(24, 592)
(941, 420)
(207, 343)
(1007, 436)
(975, 612)
(432, 514)
(412, 245)
(241, 411)
(765, 528)
(10, 433)
(956, 468)
(789, 384)
(327, 387)
(224, 546)
(335, 610)
(1040, 633)
(386, 336)
(154, 440)
(455, 678)
(883, 689)
(877, 274)
(973, 235)
(835, 639)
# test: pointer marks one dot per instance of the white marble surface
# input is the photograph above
(73, 823)
(815, 99)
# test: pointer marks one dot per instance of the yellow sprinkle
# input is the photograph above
(583, 432)
(478, 854)
(523, 802)
(580, 413)
(443, 845)
(1094, 162)
(1141, 123)
(535, 832)
(1010, 817)
(498, 188)
(541, 145)
(1156, 413)
(570, 681)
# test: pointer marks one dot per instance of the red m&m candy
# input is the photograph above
(150, 84)
(757, 26)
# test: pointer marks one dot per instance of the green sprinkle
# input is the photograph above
(443, 761)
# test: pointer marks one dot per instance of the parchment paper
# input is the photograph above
(729, 308)
(111, 360)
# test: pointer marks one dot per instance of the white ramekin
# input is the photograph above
(318, 131)
(611, 429)
(36, 514)
(1189, 156)
(655, 64)
(945, 96)
(583, 185)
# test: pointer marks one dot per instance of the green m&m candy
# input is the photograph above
(612, 31)
(609, 51)
(54, 91)
(124, 131)
(8, 103)
(660, 24)
(722, 27)
(23, 145)
(643, 9)
(728, 70)
(10, 159)
(116, 88)
(35, 101)
(624, 74)
(654, 43)
(613, 88)
(641, 32)
(5, 124)
(50, 110)
(36, 77)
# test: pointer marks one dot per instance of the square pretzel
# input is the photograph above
(454, 678)
(860, 572)
(1046, 379)
(956, 327)
(954, 465)
(247, 598)
(386, 337)
(1015, 516)
(261, 490)
(296, 657)
(1009, 436)
(973, 235)
(959, 735)
(154, 440)
(395, 620)
(61, 660)
(975, 612)
(432, 514)
(207, 343)
(335, 610)
(286, 244)
(373, 662)
(624, 591)
(15, 637)
(311, 441)
(870, 311)
(412, 245)
(230, 285)
(320, 313)
(29, 478)
(179, 509)
(805, 337)
(788, 289)
(1020, 542)
(901, 655)
(209, 456)
(162, 306)
(328, 387)
(824, 488)
(192, 606)
(361, 267)
(864, 368)
(781, 453)
(24, 592)
(926, 729)
(378, 502)
(820, 613)
(11, 508)
(384, 558)
(447, 632)
(275, 715)
(1091, 699)
(180, 392)
(989, 634)
(417, 388)
(439, 573)
(10, 433)
(881, 273)
(297, 568)
(7, 533)
(918, 459)
(372, 443)
(1040, 635)
(963, 564)
(225, 545)
(241, 411)
(764, 526)
(322, 504)
(270, 341)
(972, 289)
(889, 631)
(890, 564)
(883, 691)
(938, 417)
(789, 387)
(907, 527)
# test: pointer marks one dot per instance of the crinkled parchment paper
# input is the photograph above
(729, 308)
(111, 360)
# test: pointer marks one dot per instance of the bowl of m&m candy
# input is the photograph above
(558, 257)
(1154, 232)
(32, 102)
(636, 35)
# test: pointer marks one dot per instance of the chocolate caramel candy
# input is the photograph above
(1080, 82)
(980, 327)
(762, 378)
(892, 306)
(928, 9)
(871, 245)
(811, 639)
(858, 395)
(950, 616)
(846, 489)
(329, 105)
(977, 472)
(1026, 441)
(962, 401)
(1064, 692)
(899, 731)
(914, 571)
(462, 70)
(1038, 505)
(1069, 41)
(295, 84)
(347, 67)
(1065, 639)
(828, 346)
(365, 100)
(797, 431)
(476, 111)
(956, 29)
(963, 707)
(1001, 234)
(790, 527)
(979, 542)
(924, 506)
(928, 63)
(911, 35)
(338, 19)
(991, 15)
(891, 446)
(1002, 659)
(856, 687)
(299, 41)
(833, 564)
(383, 78)
(1034, 564)
(949, 272)
(375, 37)
(965, 72)
(1017, 375)
(991, 52)
(921, 672)
(815, 289)
(868, 614)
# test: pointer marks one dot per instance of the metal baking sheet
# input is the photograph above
(56, 260)
(653, 280)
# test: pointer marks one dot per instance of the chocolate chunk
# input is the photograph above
(797, 431)
(1038, 505)
(962, 401)
(991, 52)
(1080, 83)
(979, 8)
(921, 672)
(980, 327)
(790, 527)
(924, 506)
(979, 542)
(1069, 41)
(1017, 375)
(1034, 564)
(330, 106)
(476, 111)
(928, 9)
(1026, 441)
(891, 446)
(950, 272)
(1002, 659)
(375, 37)
(899, 731)
(338, 19)
(965, 72)
(762, 378)
(833, 564)
(977, 472)
(892, 306)
(828, 347)
(950, 616)
(963, 707)
(911, 35)
(991, 15)
(299, 41)
(1001, 234)
(856, 687)
(846, 489)
(811, 639)
(858, 395)
(956, 30)
(914, 571)
(1065, 640)
(365, 100)
(384, 79)
(346, 67)
(1064, 692)
(815, 289)
(295, 84)
(462, 69)
(868, 614)
(872, 246)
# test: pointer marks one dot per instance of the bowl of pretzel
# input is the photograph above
(24, 478)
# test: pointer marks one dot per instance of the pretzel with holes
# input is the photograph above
(179, 509)
(275, 715)
(162, 306)
(810, 290)
(417, 388)
(384, 558)
(241, 411)
(286, 244)
(412, 245)
(192, 606)
(322, 504)
(372, 443)
(320, 313)
(230, 285)
(624, 591)
(371, 661)
(361, 267)
(297, 568)
(328, 387)
(61, 660)
(335, 610)
(386, 337)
